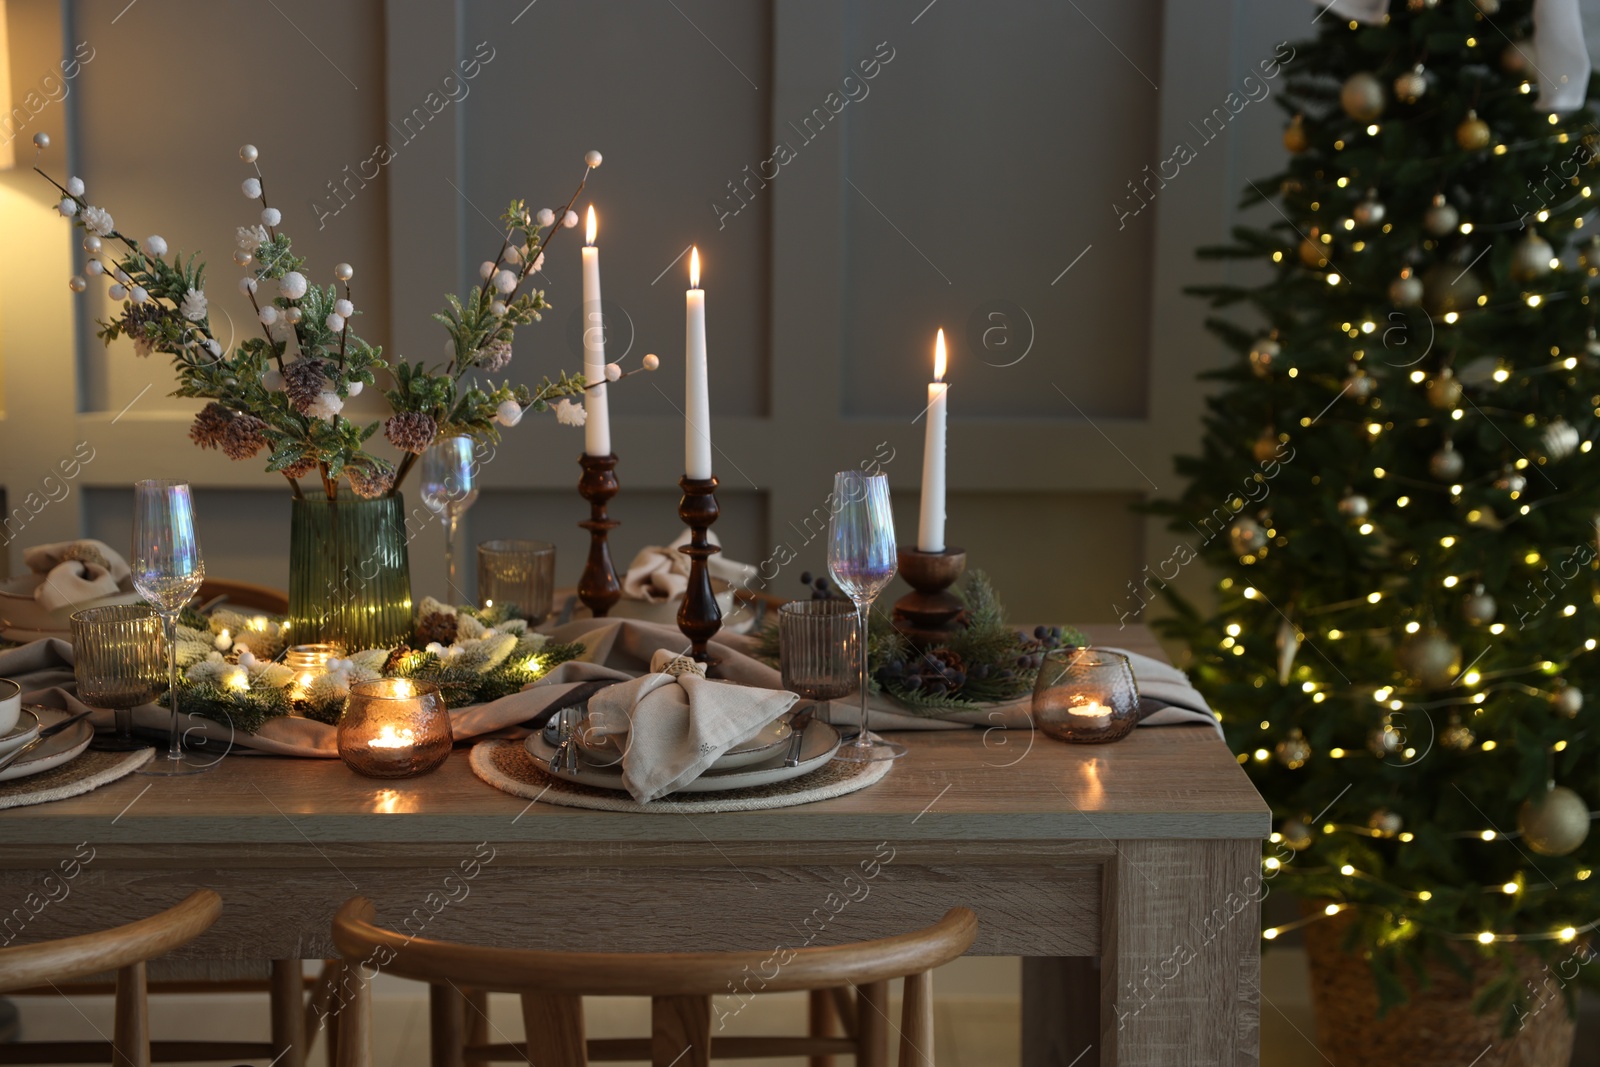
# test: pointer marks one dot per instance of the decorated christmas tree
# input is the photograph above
(1397, 494)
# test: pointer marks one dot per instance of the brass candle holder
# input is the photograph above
(598, 588)
(930, 612)
(699, 617)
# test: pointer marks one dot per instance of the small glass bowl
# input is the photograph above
(394, 728)
(1086, 696)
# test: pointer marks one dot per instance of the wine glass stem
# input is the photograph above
(863, 607)
(452, 523)
(169, 623)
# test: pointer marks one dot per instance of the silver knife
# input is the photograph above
(44, 735)
(798, 724)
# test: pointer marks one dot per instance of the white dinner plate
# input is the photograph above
(64, 747)
(817, 747)
(26, 729)
(758, 747)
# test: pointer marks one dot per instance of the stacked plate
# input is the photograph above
(760, 759)
(60, 748)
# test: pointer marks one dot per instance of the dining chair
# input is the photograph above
(680, 986)
(244, 596)
(122, 949)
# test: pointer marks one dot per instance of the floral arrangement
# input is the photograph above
(232, 670)
(284, 392)
(985, 662)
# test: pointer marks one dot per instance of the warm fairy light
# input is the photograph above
(1487, 835)
(1271, 863)
(1372, 131)
(1509, 889)
(1589, 644)
(1333, 279)
(1451, 317)
(1379, 472)
(1308, 687)
(1334, 909)
(1570, 609)
(1335, 634)
(1270, 932)
(1407, 835)
(1336, 753)
(590, 228)
(1455, 490)
(1466, 227)
(389, 737)
(1262, 754)
(1424, 895)
(939, 357)
(1485, 938)
(1489, 746)
(1533, 298)
(259, 623)
(1567, 933)
(1413, 626)
(1498, 628)
(1560, 746)
(1347, 870)
(1531, 558)
(1250, 592)
(403, 689)
(1583, 875)
(531, 664)
(1450, 581)
(1417, 376)
(1233, 630)
(1374, 428)
(1553, 118)
(239, 680)
(694, 268)
(1470, 678)
(1446, 542)
(1365, 528)
(1373, 598)
(1403, 501)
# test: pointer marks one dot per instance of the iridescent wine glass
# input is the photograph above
(862, 559)
(167, 572)
(449, 487)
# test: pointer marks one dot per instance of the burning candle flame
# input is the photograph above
(694, 268)
(592, 229)
(939, 358)
(389, 737)
(402, 689)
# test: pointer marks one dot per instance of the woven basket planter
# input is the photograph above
(1436, 1025)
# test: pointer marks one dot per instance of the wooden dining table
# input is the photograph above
(1128, 876)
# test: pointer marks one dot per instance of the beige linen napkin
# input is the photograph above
(671, 728)
(76, 571)
(659, 573)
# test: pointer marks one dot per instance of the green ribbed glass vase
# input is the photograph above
(349, 578)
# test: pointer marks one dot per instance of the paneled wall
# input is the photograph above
(855, 175)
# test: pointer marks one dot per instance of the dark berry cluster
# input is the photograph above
(1044, 639)
(935, 672)
(820, 589)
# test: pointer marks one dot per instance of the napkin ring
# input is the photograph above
(665, 662)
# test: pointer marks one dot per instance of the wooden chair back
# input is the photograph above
(122, 949)
(553, 984)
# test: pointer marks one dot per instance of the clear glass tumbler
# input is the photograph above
(118, 659)
(519, 574)
(817, 648)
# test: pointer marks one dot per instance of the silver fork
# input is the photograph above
(563, 739)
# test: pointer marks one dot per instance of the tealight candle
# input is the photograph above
(394, 728)
(1086, 695)
(1091, 715)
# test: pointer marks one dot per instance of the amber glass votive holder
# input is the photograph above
(1086, 696)
(394, 728)
(517, 574)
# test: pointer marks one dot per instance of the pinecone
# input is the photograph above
(210, 426)
(493, 356)
(411, 431)
(143, 322)
(244, 437)
(370, 481)
(301, 467)
(303, 381)
(397, 656)
(437, 626)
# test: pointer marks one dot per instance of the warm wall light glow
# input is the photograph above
(694, 268)
(591, 229)
(940, 360)
(8, 150)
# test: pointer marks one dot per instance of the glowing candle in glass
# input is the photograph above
(394, 728)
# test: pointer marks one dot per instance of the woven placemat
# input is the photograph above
(89, 771)
(508, 767)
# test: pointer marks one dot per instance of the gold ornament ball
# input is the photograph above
(1294, 750)
(1262, 353)
(1386, 822)
(1531, 257)
(1446, 288)
(1266, 447)
(1295, 833)
(1362, 96)
(1411, 85)
(1441, 217)
(1246, 535)
(1554, 824)
(1473, 133)
(1479, 608)
(243, 258)
(1406, 290)
(1294, 136)
(1456, 737)
(1430, 658)
(1444, 390)
(1311, 252)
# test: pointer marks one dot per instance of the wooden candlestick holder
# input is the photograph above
(699, 617)
(930, 612)
(598, 588)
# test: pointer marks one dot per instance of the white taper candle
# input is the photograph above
(697, 394)
(930, 526)
(597, 426)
